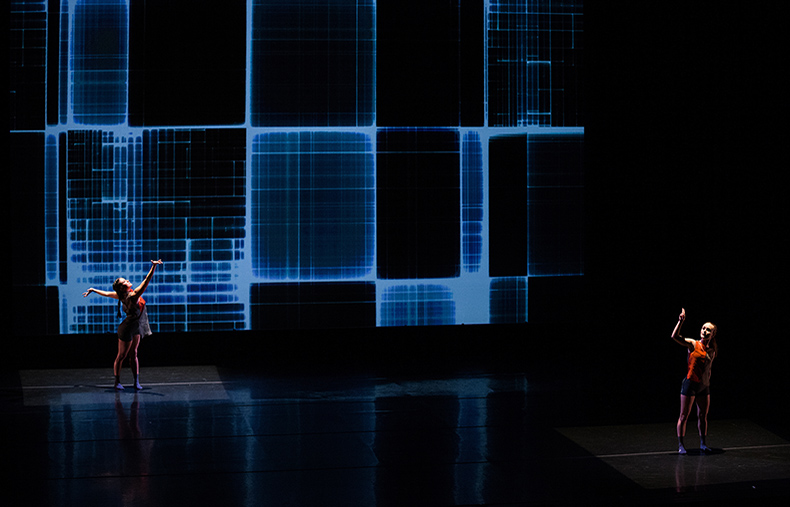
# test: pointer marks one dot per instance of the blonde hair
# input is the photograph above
(714, 343)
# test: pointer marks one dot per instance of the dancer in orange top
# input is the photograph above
(696, 385)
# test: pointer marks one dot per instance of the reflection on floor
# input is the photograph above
(204, 435)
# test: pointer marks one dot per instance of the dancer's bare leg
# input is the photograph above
(685, 409)
(703, 406)
(134, 362)
(123, 350)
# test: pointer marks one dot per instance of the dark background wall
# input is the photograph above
(685, 207)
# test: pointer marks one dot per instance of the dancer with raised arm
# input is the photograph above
(696, 385)
(134, 327)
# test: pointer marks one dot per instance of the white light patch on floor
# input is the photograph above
(647, 453)
(87, 386)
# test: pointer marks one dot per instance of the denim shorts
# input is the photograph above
(691, 388)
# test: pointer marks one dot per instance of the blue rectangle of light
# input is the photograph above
(313, 63)
(472, 204)
(312, 206)
(100, 62)
(417, 305)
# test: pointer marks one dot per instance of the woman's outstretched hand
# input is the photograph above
(157, 262)
(682, 316)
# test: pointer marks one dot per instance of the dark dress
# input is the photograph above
(136, 321)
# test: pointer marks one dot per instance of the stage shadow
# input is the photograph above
(699, 452)
(144, 391)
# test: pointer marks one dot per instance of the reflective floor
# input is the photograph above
(208, 435)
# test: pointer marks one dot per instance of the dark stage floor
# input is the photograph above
(209, 435)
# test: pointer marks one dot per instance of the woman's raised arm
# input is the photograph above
(676, 332)
(144, 285)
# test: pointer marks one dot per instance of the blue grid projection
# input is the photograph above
(555, 191)
(472, 203)
(508, 300)
(63, 63)
(533, 49)
(311, 200)
(26, 52)
(171, 194)
(417, 305)
(313, 215)
(51, 201)
(100, 62)
(313, 63)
